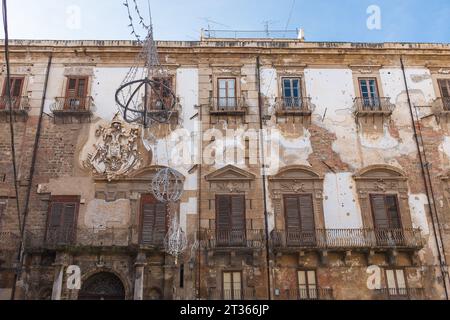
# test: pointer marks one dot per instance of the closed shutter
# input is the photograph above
(76, 92)
(380, 217)
(299, 215)
(292, 217)
(238, 226)
(445, 88)
(61, 225)
(148, 223)
(54, 225)
(392, 211)
(223, 219)
(306, 213)
(153, 229)
(68, 223)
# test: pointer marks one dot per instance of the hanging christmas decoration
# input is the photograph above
(145, 95)
(167, 185)
(175, 242)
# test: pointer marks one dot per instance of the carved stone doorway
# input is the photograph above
(102, 286)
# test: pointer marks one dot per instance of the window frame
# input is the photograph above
(230, 213)
(397, 288)
(153, 201)
(300, 91)
(227, 98)
(447, 81)
(232, 273)
(65, 200)
(16, 104)
(370, 99)
(82, 100)
(385, 195)
(307, 284)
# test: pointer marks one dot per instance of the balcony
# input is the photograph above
(83, 238)
(232, 295)
(344, 239)
(401, 294)
(373, 107)
(293, 106)
(20, 107)
(80, 108)
(232, 239)
(306, 294)
(227, 106)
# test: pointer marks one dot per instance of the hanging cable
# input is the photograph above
(10, 107)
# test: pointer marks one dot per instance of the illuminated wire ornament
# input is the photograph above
(175, 242)
(167, 185)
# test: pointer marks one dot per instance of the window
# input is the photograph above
(396, 283)
(153, 221)
(292, 95)
(62, 220)
(232, 286)
(444, 86)
(16, 86)
(230, 220)
(385, 212)
(307, 285)
(299, 218)
(2, 211)
(162, 95)
(227, 93)
(76, 93)
(369, 93)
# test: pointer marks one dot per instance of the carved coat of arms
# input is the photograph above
(116, 151)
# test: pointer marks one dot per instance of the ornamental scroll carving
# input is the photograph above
(115, 151)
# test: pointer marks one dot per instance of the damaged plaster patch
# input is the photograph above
(445, 146)
(375, 141)
(101, 214)
(417, 203)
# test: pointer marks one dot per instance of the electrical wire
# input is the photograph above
(9, 101)
(289, 17)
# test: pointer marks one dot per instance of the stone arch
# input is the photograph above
(114, 274)
(102, 286)
(380, 171)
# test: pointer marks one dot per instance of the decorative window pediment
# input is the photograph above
(380, 172)
(296, 173)
(230, 173)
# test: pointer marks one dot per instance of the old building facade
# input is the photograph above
(311, 171)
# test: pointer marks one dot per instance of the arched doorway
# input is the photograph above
(102, 286)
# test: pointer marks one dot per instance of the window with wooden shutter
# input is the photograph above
(62, 220)
(230, 220)
(369, 93)
(2, 212)
(226, 93)
(385, 212)
(76, 92)
(299, 218)
(153, 221)
(444, 86)
(396, 283)
(232, 286)
(16, 87)
(307, 285)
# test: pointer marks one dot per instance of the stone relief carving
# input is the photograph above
(116, 151)
(232, 187)
(294, 186)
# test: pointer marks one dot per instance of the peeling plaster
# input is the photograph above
(101, 214)
(417, 203)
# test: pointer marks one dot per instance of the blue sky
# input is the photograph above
(323, 20)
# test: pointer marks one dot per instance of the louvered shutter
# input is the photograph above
(445, 88)
(55, 222)
(68, 223)
(238, 226)
(307, 219)
(393, 213)
(223, 219)
(292, 217)
(379, 212)
(160, 223)
(148, 223)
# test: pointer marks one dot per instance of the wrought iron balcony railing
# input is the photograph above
(348, 238)
(9, 241)
(293, 106)
(236, 295)
(369, 106)
(443, 104)
(227, 106)
(306, 294)
(53, 238)
(18, 104)
(245, 239)
(73, 105)
(401, 293)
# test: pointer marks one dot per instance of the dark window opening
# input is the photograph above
(444, 85)
(62, 220)
(182, 276)
(76, 93)
(292, 94)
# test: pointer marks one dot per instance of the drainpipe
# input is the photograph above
(429, 190)
(20, 257)
(264, 178)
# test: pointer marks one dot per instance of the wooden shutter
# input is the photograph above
(393, 212)
(62, 220)
(238, 227)
(381, 220)
(148, 223)
(306, 213)
(153, 221)
(444, 85)
(68, 223)
(292, 214)
(223, 219)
